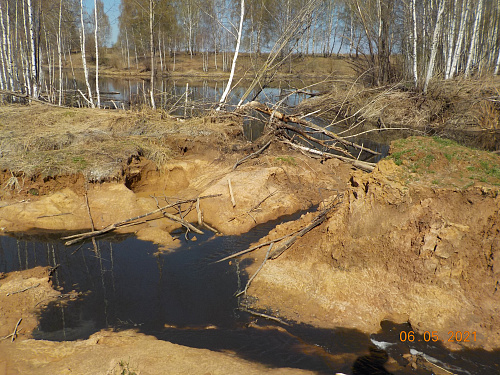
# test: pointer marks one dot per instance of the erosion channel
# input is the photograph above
(395, 259)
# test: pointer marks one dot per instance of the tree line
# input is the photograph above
(385, 40)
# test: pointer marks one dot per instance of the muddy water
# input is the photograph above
(183, 297)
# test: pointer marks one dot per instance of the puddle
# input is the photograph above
(183, 297)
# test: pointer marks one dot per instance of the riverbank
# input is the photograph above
(416, 241)
(184, 65)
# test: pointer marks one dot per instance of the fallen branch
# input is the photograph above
(249, 250)
(13, 334)
(297, 120)
(83, 236)
(198, 211)
(364, 165)
(64, 213)
(317, 221)
(252, 155)
(182, 222)
(13, 203)
(244, 291)
(231, 192)
(23, 290)
(264, 316)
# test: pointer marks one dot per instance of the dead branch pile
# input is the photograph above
(285, 242)
(298, 132)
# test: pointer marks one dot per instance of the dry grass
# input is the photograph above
(48, 141)
(453, 105)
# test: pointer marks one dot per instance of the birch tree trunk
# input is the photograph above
(152, 52)
(24, 56)
(415, 42)
(460, 40)
(475, 36)
(497, 65)
(434, 48)
(59, 52)
(34, 75)
(8, 51)
(451, 41)
(128, 50)
(236, 51)
(6, 72)
(96, 56)
(84, 60)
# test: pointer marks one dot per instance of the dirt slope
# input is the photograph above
(396, 251)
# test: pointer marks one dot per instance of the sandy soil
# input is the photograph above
(390, 251)
(395, 248)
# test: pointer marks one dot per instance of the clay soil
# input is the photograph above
(400, 246)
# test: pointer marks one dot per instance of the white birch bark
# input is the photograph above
(34, 76)
(152, 52)
(128, 50)
(59, 52)
(475, 36)
(434, 47)
(451, 41)
(236, 51)
(8, 50)
(3, 81)
(27, 74)
(414, 42)
(460, 40)
(84, 59)
(160, 51)
(4, 54)
(96, 56)
(497, 65)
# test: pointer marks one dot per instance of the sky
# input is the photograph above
(112, 9)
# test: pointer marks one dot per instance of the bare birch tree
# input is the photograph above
(34, 73)
(96, 28)
(474, 40)
(414, 43)
(434, 47)
(59, 52)
(223, 98)
(84, 59)
(152, 52)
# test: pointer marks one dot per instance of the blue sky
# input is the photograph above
(112, 9)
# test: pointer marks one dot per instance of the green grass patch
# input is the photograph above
(80, 162)
(442, 162)
(444, 141)
(290, 160)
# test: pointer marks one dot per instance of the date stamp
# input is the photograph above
(428, 336)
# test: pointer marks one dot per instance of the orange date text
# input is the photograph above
(428, 336)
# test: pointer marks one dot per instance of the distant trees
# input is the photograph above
(36, 38)
(386, 40)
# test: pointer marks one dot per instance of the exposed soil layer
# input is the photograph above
(398, 248)
(395, 251)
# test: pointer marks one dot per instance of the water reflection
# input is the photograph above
(181, 97)
(182, 297)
